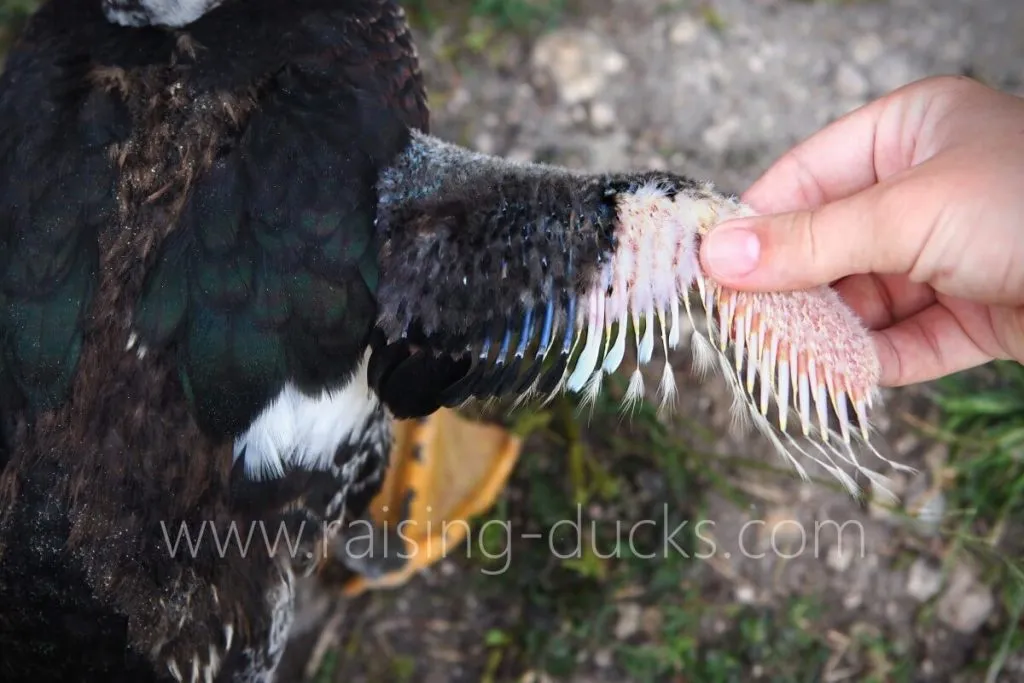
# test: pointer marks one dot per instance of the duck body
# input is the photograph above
(231, 255)
(188, 273)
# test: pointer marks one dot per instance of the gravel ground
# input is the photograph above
(716, 91)
(641, 84)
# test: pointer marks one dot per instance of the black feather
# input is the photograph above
(186, 227)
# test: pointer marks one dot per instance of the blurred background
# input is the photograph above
(929, 588)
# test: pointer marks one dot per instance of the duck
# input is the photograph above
(245, 292)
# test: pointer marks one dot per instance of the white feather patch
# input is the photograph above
(305, 431)
(156, 12)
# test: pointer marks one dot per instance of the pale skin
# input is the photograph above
(913, 206)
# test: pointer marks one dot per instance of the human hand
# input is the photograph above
(914, 203)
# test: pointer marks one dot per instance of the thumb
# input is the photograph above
(875, 230)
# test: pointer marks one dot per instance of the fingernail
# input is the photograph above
(732, 251)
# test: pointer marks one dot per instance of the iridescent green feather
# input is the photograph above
(43, 335)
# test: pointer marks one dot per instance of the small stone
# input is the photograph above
(485, 143)
(602, 115)
(905, 444)
(891, 72)
(438, 626)
(628, 623)
(954, 51)
(656, 164)
(745, 594)
(924, 581)
(897, 484)
(576, 62)
(718, 138)
(967, 603)
(603, 658)
(684, 32)
(850, 82)
(650, 622)
(840, 557)
(458, 100)
(520, 155)
(535, 677)
(614, 63)
(806, 492)
(628, 592)
(867, 48)
(937, 456)
(609, 150)
(561, 117)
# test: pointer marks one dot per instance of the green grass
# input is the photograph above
(13, 14)
(484, 32)
(569, 604)
(518, 15)
(782, 643)
(983, 423)
(566, 579)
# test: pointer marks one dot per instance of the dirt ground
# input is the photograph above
(715, 90)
